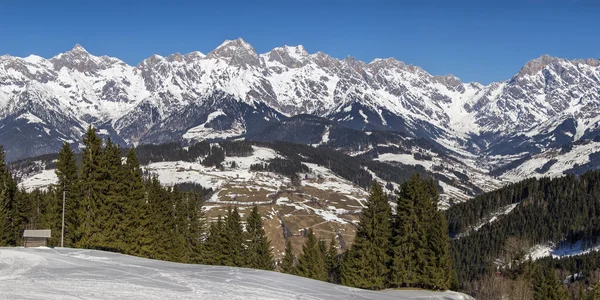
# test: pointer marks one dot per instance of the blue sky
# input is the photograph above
(480, 41)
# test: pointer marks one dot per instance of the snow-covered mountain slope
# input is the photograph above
(233, 92)
(64, 273)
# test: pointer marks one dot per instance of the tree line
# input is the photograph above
(111, 205)
(409, 248)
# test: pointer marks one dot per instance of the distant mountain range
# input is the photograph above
(543, 120)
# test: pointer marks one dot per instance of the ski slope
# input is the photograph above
(44, 273)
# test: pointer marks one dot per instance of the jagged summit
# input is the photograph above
(236, 52)
(535, 65)
(78, 49)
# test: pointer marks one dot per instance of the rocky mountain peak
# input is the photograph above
(536, 65)
(236, 52)
(78, 49)
(194, 56)
(176, 57)
(289, 56)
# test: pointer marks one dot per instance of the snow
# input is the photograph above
(324, 137)
(407, 159)
(558, 251)
(579, 154)
(31, 118)
(39, 181)
(493, 217)
(63, 273)
(202, 132)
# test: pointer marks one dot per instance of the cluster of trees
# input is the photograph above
(212, 155)
(318, 260)
(409, 248)
(111, 206)
(281, 166)
(227, 244)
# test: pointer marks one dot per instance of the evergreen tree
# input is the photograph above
(287, 264)
(180, 230)
(9, 228)
(311, 263)
(366, 263)
(193, 238)
(234, 247)
(259, 248)
(94, 187)
(333, 263)
(139, 236)
(69, 185)
(439, 271)
(546, 286)
(403, 271)
(115, 216)
(216, 240)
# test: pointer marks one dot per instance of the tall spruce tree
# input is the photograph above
(439, 273)
(69, 185)
(94, 186)
(139, 236)
(259, 254)
(288, 262)
(181, 226)
(216, 240)
(234, 247)
(9, 227)
(193, 238)
(311, 263)
(332, 261)
(403, 271)
(366, 263)
(116, 200)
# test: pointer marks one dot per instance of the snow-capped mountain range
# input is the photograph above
(234, 92)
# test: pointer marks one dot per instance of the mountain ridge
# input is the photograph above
(547, 104)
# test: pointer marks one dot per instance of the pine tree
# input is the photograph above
(333, 263)
(9, 228)
(405, 239)
(162, 221)
(181, 227)
(234, 247)
(556, 290)
(287, 264)
(216, 240)
(259, 254)
(439, 272)
(311, 263)
(94, 186)
(68, 183)
(115, 200)
(139, 236)
(366, 263)
(193, 238)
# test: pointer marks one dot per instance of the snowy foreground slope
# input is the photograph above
(42, 273)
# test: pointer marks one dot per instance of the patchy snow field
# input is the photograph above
(559, 251)
(43, 273)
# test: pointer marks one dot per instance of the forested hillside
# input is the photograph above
(561, 211)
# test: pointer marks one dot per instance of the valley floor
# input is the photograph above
(44, 273)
